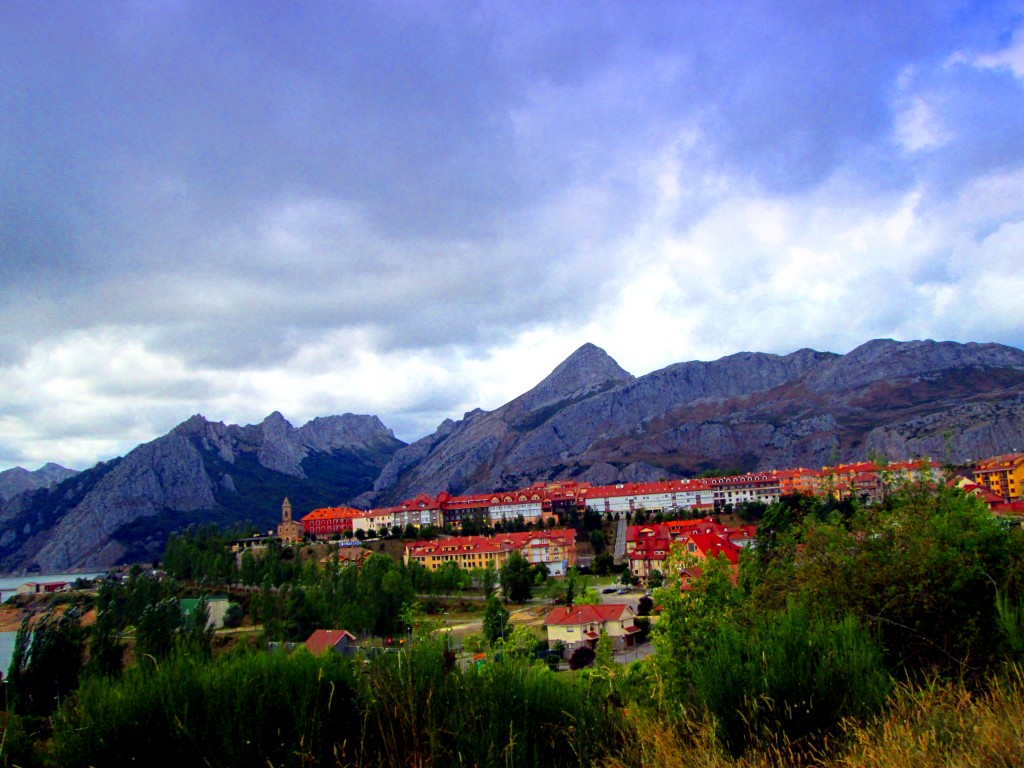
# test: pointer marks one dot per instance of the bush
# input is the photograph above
(582, 657)
(791, 680)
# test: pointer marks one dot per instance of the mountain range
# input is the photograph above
(588, 420)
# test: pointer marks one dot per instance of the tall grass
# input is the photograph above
(507, 713)
(791, 682)
(404, 709)
(248, 709)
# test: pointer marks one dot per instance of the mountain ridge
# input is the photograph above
(588, 420)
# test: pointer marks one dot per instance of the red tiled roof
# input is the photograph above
(713, 546)
(574, 615)
(325, 639)
(333, 513)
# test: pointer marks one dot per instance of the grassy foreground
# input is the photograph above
(412, 710)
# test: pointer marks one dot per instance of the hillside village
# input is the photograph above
(665, 513)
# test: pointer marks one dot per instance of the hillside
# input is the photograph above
(590, 420)
(123, 510)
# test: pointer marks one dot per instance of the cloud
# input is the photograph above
(415, 210)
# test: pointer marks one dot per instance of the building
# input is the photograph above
(334, 640)
(325, 522)
(1003, 475)
(289, 529)
(555, 548)
(578, 625)
(43, 587)
(467, 552)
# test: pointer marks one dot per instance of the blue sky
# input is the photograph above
(415, 209)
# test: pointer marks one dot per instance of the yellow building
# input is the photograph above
(467, 552)
(1003, 475)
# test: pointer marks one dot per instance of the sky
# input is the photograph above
(415, 209)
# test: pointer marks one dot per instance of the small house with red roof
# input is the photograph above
(337, 640)
(577, 625)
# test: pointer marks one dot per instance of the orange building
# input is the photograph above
(1003, 475)
(328, 521)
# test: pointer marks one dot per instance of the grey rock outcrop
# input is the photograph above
(190, 471)
(19, 480)
(591, 420)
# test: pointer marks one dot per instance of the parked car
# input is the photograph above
(622, 591)
(607, 590)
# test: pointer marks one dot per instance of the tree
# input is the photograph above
(603, 564)
(495, 620)
(157, 627)
(520, 643)
(47, 668)
(605, 651)
(196, 630)
(516, 582)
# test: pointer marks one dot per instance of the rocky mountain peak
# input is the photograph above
(585, 372)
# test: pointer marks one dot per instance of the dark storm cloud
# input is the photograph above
(230, 185)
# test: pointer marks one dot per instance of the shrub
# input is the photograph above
(583, 656)
(791, 680)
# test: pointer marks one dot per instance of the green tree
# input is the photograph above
(157, 627)
(196, 631)
(516, 581)
(605, 651)
(47, 668)
(495, 621)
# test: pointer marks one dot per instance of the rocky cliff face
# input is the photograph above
(200, 470)
(19, 480)
(591, 420)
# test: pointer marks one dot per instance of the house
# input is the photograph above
(577, 625)
(337, 640)
(43, 587)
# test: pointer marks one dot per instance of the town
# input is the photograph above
(840, 583)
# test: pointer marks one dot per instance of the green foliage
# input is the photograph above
(790, 679)
(242, 710)
(495, 621)
(516, 581)
(47, 666)
(689, 622)
(406, 709)
(923, 569)
(156, 629)
(605, 651)
(603, 564)
(519, 642)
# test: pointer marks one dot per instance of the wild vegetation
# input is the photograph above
(855, 636)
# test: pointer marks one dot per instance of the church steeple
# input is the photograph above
(289, 530)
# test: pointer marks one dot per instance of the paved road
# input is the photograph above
(620, 540)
